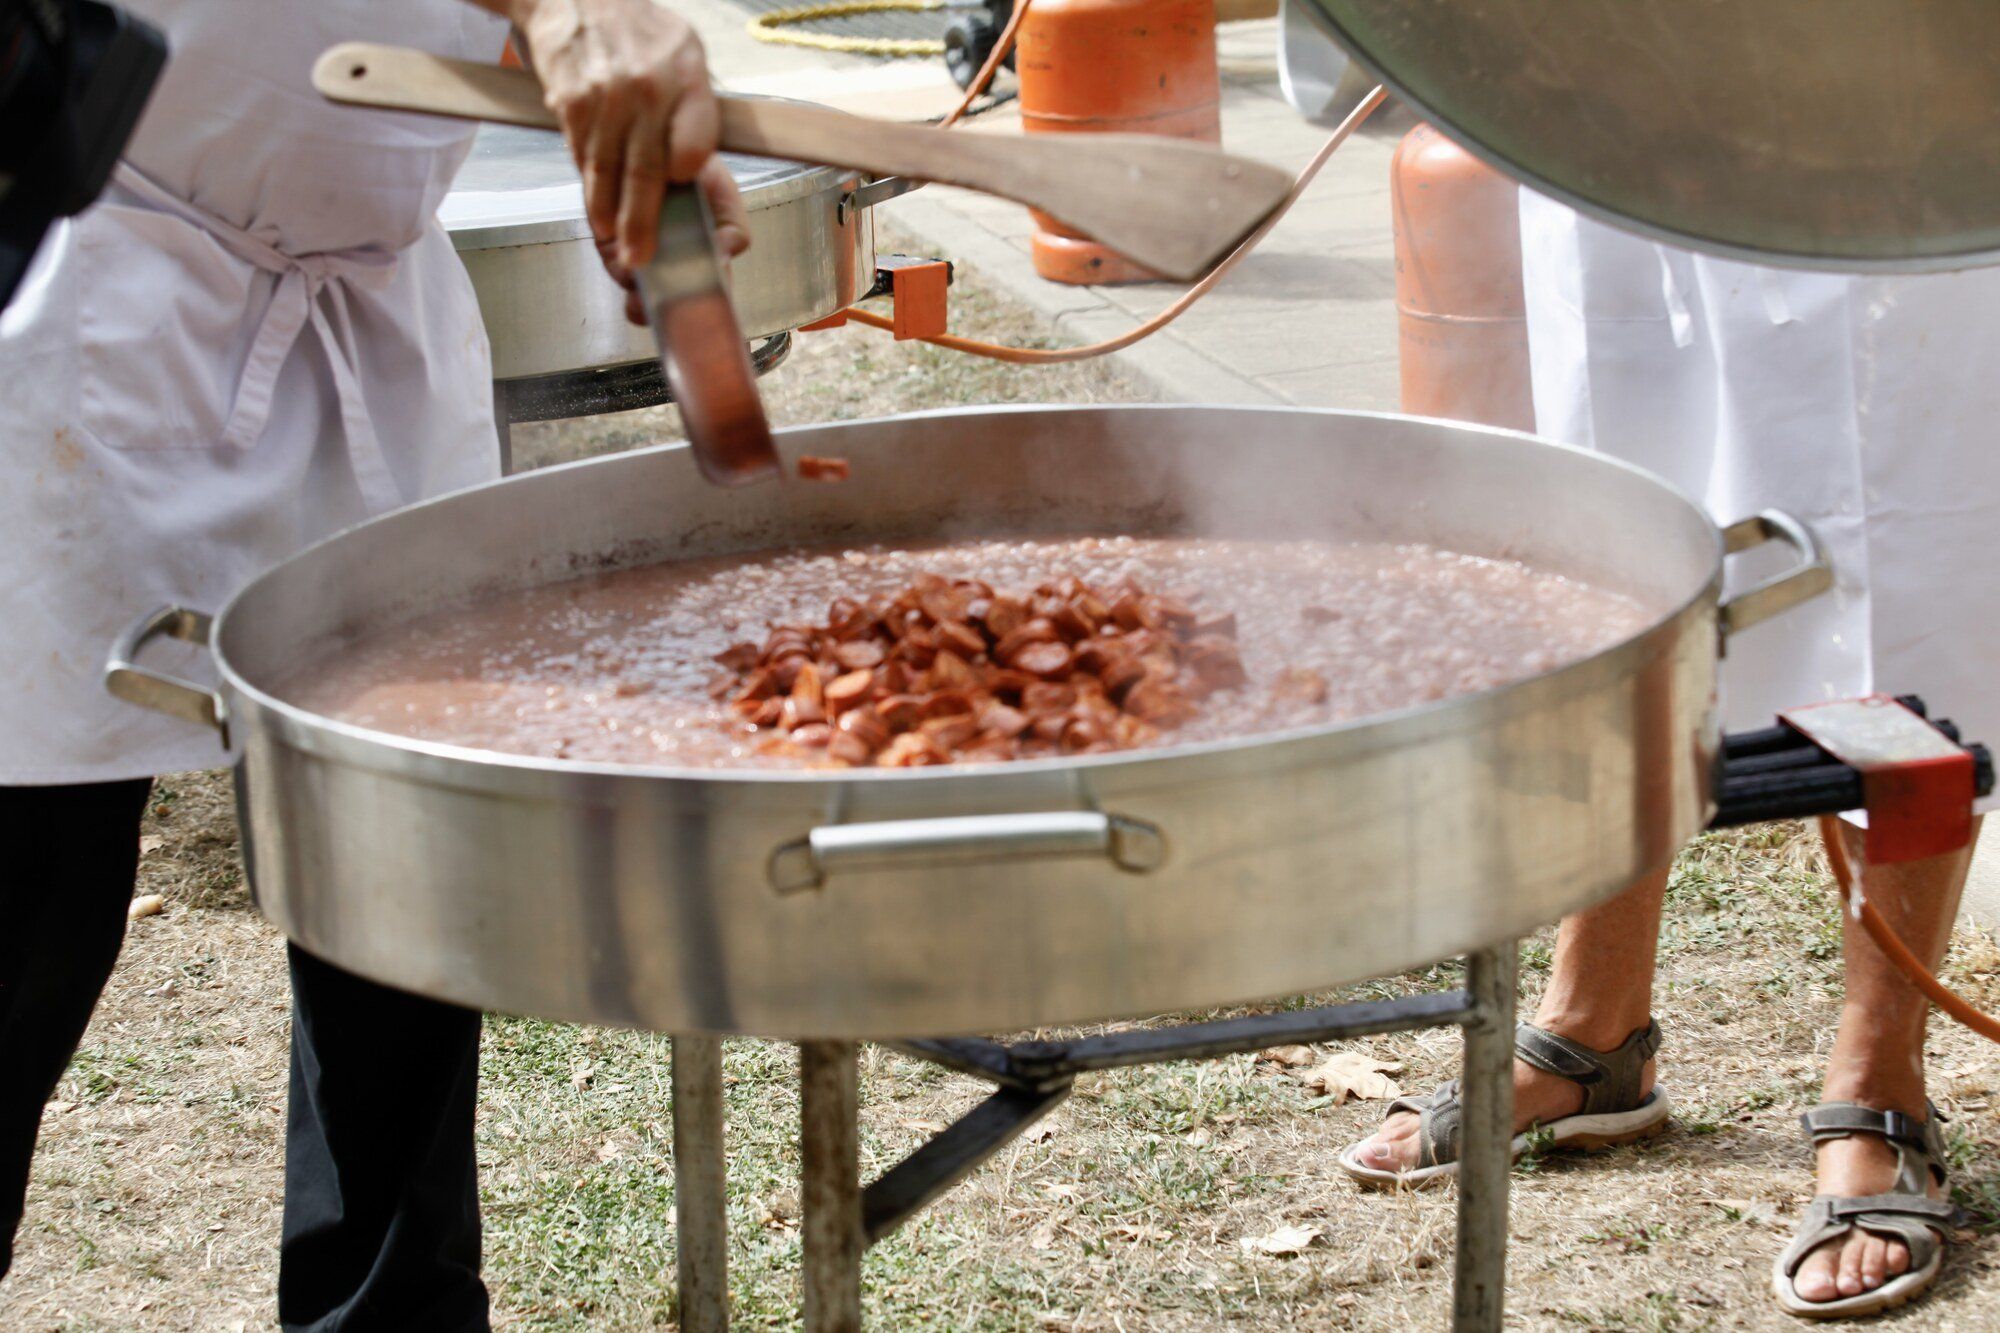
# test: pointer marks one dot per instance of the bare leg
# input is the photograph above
(1878, 1056)
(1600, 991)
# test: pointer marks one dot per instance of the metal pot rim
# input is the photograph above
(489, 769)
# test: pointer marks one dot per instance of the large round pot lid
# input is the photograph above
(1842, 134)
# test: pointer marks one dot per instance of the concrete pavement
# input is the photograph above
(1308, 318)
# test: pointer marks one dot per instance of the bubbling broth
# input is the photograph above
(650, 665)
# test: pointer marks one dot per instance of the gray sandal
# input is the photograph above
(1906, 1213)
(1613, 1112)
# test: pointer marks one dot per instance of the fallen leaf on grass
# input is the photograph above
(146, 904)
(1748, 1209)
(1141, 1232)
(1285, 1240)
(1288, 1056)
(1044, 1235)
(580, 1077)
(1040, 1133)
(1348, 1074)
(152, 842)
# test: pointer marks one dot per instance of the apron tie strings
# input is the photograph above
(295, 305)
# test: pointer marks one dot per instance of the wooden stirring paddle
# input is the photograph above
(1172, 205)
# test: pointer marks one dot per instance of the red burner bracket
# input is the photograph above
(1918, 785)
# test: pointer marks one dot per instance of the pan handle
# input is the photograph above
(1129, 844)
(1781, 592)
(124, 677)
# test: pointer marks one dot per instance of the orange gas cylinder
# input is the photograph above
(1114, 66)
(1464, 330)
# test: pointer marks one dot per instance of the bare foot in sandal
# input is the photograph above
(1866, 1265)
(1587, 1097)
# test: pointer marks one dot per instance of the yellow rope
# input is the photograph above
(768, 28)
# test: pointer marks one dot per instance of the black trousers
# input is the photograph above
(381, 1225)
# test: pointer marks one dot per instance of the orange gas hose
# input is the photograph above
(1898, 952)
(1044, 356)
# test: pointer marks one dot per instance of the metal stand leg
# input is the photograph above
(1487, 1131)
(829, 1140)
(701, 1212)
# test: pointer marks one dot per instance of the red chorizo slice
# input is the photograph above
(1003, 721)
(948, 703)
(961, 638)
(1004, 615)
(1026, 633)
(844, 692)
(1299, 685)
(1048, 660)
(848, 749)
(859, 654)
(1157, 702)
(761, 683)
(1215, 660)
(948, 733)
(866, 725)
(1047, 697)
(901, 711)
(910, 750)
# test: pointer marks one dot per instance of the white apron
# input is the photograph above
(258, 336)
(1866, 406)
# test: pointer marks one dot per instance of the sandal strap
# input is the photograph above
(1918, 1222)
(1438, 1115)
(1919, 1144)
(1609, 1079)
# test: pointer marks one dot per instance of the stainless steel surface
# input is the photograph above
(1129, 844)
(831, 1239)
(1293, 861)
(1485, 1157)
(1843, 134)
(1782, 591)
(701, 1187)
(157, 690)
(879, 191)
(515, 213)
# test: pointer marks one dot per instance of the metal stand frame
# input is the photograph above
(842, 1217)
(595, 390)
(1776, 773)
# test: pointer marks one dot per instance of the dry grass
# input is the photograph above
(155, 1203)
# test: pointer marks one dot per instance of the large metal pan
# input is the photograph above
(895, 903)
(515, 212)
(1842, 134)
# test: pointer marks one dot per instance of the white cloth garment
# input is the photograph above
(1866, 406)
(258, 336)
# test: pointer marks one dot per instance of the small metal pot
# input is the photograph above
(515, 214)
(935, 901)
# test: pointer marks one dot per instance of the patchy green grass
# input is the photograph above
(156, 1197)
